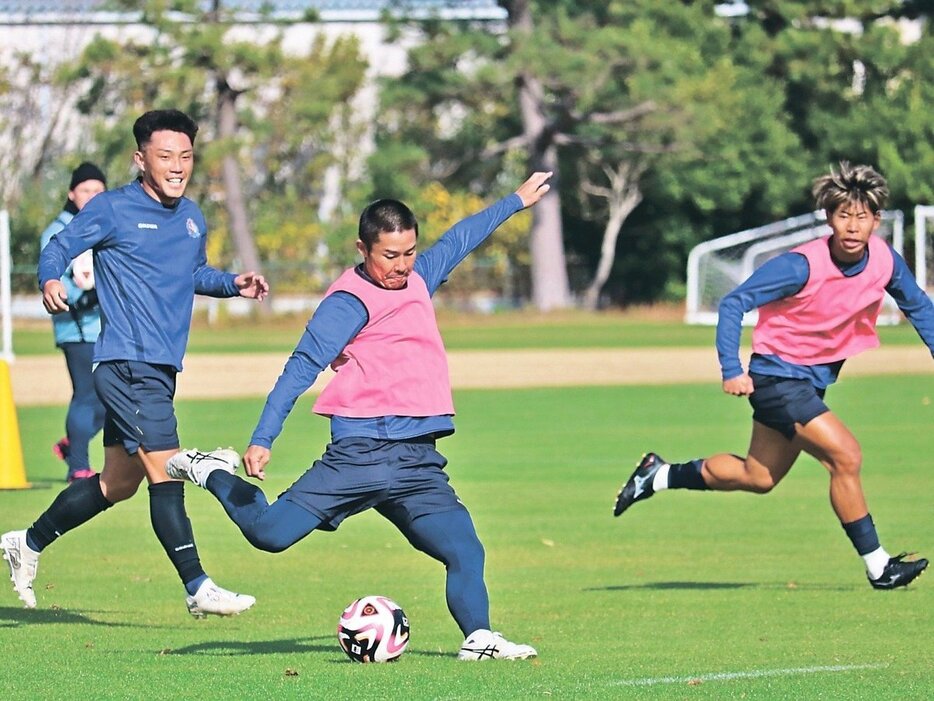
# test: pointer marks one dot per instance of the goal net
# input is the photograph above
(715, 267)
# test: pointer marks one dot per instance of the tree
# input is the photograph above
(39, 145)
(857, 85)
(480, 98)
(267, 139)
(622, 194)
(550, 289)
(603, 95)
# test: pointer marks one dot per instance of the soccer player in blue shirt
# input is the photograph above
(148, 243)
(818, 305)
(388, 404)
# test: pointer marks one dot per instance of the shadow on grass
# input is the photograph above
(319, 644)
(674, 585)
(711, 586)
(11, 617)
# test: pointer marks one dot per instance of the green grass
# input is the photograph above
(638, 329)
(685, 586)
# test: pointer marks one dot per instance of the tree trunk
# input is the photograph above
(233, 189)
(624, 195)
(550, 288)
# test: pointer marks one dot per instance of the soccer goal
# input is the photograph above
(6, 296)
(717, 266)
(924, 258)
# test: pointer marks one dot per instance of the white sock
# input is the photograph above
(876, 562)
(660, 481)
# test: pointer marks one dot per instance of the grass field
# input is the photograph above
(660, 326)
(688, 596)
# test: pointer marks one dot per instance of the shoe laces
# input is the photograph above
(28, 560)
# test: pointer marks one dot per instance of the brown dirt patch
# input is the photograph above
(43, 380)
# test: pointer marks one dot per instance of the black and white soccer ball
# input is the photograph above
(373, 629)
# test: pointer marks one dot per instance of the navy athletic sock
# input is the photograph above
(80, 501)
(687, 475)
(194, 585)
(173, 529)
(862, 533)
(270, 527)
(450, 538)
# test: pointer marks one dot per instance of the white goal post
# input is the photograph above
(715, 267)
(6, 296)
(924, 262)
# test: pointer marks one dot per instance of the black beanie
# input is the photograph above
(86, 171)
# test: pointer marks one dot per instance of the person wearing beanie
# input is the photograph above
(76, 330)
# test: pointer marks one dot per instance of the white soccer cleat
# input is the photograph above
(486, 645)
(195, 466)
(217, 601)
(24, 563)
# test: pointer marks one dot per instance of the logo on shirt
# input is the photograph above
(193, 229)
(143, 225)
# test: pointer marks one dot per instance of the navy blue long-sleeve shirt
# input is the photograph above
(786, 275)
(341, 316)
(149, 261)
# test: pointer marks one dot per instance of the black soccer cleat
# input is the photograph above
(639, 485)
(899, 572)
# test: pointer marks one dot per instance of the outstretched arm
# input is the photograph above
(436, 263)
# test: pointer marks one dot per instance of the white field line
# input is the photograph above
(755, 674)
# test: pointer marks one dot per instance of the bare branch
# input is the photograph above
(503, 146)
(621, 116)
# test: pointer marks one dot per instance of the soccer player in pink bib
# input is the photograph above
(818, 305)
(388, 404)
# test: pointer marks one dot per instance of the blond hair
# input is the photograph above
(860, 184)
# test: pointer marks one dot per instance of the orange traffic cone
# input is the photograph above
(12, 472)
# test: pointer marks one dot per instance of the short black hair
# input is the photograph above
(163, 120)
(385, 216)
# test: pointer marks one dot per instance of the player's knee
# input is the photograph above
(759, 480)
(472, 553)
(849, 463)
(465, 555)
(762, 485)
(267, 543)
(119, 491)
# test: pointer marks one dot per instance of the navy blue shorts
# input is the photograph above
(138, 398)
(402, 480)
(781, 402)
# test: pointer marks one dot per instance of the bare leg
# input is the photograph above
(122, 474)
(154, 464)
(770, 457)
(832, 443)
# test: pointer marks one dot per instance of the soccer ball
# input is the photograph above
(82, 271)
(373, 629)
